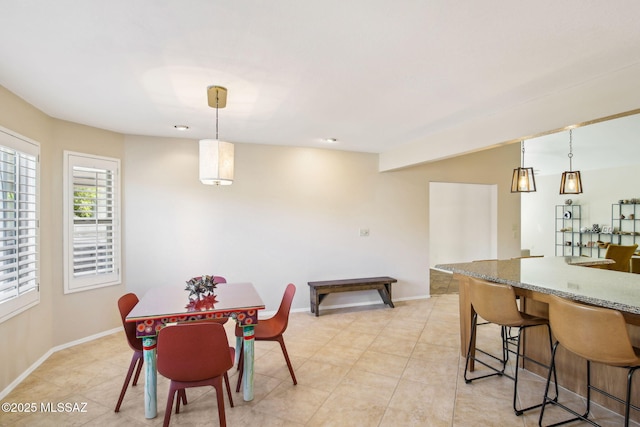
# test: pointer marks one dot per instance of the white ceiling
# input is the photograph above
(602, 145)
(375, 74)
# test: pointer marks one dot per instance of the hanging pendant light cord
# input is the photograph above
(570, 150)
(522, 143)
(216, 114)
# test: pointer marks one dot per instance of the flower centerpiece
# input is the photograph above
(201, 292)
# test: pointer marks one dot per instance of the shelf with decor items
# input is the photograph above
(594, 244)
(625, 222)
(568, 237)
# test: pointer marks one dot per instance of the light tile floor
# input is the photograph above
(370, 366)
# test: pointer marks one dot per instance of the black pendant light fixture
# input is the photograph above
(523, 180)
(571, 182)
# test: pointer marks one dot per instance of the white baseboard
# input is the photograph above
(414, 298)
(442, 271)
(45, 356)
(358, 304)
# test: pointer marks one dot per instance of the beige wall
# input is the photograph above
(26, 337)
(79, 314)
(293, 214)
(493, 166)
(59, 318)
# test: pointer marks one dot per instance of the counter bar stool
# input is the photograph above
(598, 335)
(496, 303)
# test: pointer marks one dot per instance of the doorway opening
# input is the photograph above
(463, 226)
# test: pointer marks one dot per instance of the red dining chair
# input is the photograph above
(125, 305)
(272, 329)
(194, 355)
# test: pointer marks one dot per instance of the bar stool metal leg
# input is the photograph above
(506, 341)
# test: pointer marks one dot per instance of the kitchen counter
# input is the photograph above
(567, 277)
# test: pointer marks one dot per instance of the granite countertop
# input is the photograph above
(567, 277)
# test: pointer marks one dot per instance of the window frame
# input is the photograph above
(18, 304)
(78, 283)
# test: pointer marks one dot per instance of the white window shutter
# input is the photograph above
(19, 224)
(92, 222)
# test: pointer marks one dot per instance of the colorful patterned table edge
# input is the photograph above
(150, 327)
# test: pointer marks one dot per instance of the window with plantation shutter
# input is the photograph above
(92, 222)
(19, 225)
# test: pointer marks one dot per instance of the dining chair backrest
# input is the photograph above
(125, 305)
(621, 255)
(597, 334)
(219, 279)
(193, 351)
(281, 318)
(494, 302)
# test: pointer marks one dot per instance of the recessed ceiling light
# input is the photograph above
(181, 127)
(329, 140)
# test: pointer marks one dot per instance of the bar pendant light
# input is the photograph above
(571, 182)
(216, 157)
(523, 180)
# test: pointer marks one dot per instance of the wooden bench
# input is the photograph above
(319, 290)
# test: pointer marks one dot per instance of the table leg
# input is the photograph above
(315, 302)
(385, 294)
(319, 298)
(150, 377)
(388, 286)
(247, 378)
